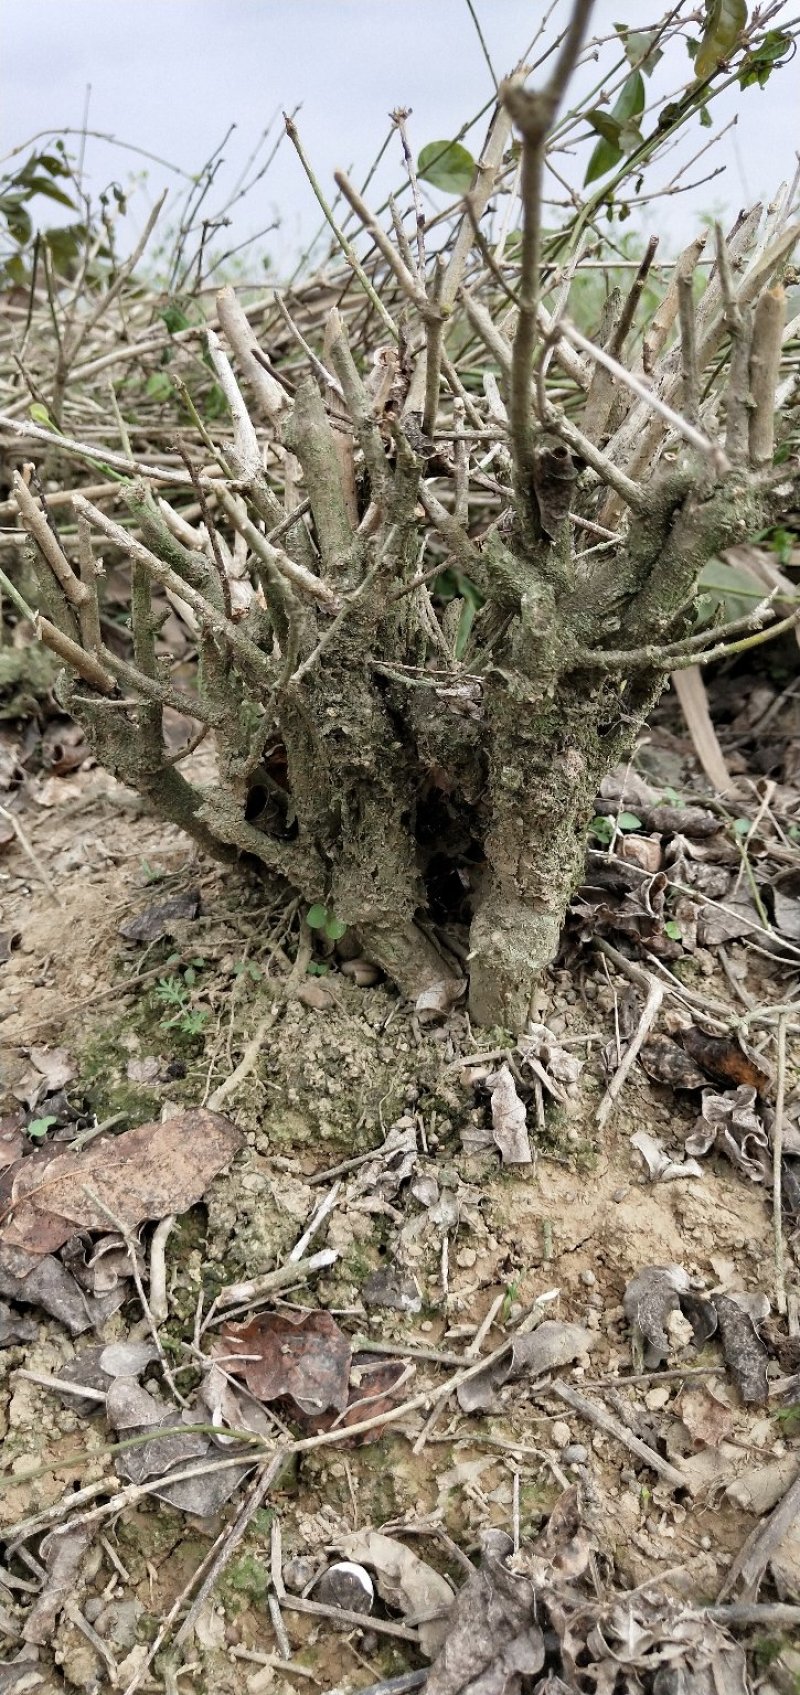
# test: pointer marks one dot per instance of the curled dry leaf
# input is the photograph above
(302, 1357)
(405, 1582)
(531, 1355)
(144, 1173)
(726, 1061)
(509, 1126)
(658, 1295)
(660, 1168)
(439, 998)
(559, 1070)
(493, 1639)
(731, 1124)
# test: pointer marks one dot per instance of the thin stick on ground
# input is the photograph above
(777, 1170)
(655, 996)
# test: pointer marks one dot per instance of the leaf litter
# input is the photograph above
(432, 1205)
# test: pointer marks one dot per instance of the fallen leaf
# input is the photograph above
(730, 1124)
(660, 1168)
(159, 919)
(302, 1357)
(509, 1126)
(388, 1287)
(745, 1354)
(405, 1582)
(718, 924)
(40, 1280)
(493, 1639)
(707, 1419)
(550, 1345)
(144, 1173)
(725, 1060)
(374, 1387)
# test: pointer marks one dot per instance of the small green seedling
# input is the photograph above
(673, 930)
(38, 1128)
(152, 873)
(321, 918)
(244, 968)
(603, 828)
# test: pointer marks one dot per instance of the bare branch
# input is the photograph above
(765, 364)
(271, 399)
(47, 542)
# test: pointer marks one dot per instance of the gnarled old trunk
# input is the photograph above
(547, 765)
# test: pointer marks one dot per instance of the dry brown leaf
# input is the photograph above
(304, 1357)
(144, 1173)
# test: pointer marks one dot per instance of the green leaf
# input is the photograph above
(618, 132)
(318, 968)
(742, 826)
(759, 65)
(38, 1127)
(446, 165)
(640, 47)
(43, 185)
(706, 120)
(317, 917)
(629, 821)
(603, 829)
(725, 20)
(40, 415)
(673, 930)
(175, 318)
(334, 929)
(158, 386)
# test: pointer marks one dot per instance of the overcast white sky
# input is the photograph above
(171, 75)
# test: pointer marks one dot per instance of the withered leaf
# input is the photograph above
(653, 1295)
(144, 1173)
(730, 1123)
(509, 1126)
(374, 1390)
(745, 1354)
(551, 1345)
(160, 918)
(493, 1639)
(707, 1419)
(666, 1062)
(304, 1357)
(725, 1060)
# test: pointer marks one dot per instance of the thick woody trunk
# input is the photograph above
(547, 761)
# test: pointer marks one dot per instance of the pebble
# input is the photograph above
(655, 1399)
(588, 1277)
(465, 1258)
(575, 1454)
(619, 1194)
(561, 1433)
